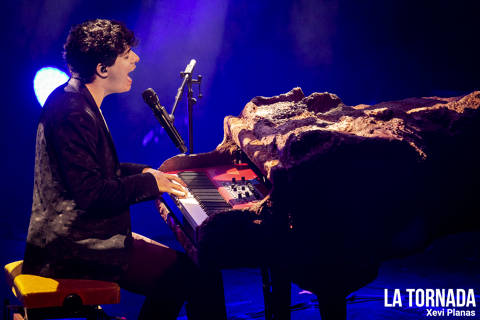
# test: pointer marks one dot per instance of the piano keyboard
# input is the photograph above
(217, 189)
(204, 191)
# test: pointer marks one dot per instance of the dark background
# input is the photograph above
(363, 51)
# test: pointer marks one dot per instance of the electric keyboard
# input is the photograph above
(218, 189)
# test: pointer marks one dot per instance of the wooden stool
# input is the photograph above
(45, 298)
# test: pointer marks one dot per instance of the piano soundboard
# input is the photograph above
(217, 189)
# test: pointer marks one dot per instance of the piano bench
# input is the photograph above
(45, 298)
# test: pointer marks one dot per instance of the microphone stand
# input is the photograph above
(188, 81)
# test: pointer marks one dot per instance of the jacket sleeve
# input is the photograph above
(132, 168)
(74, 139)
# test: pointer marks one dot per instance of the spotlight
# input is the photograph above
(46, 80)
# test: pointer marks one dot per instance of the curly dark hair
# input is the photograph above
(93, 42)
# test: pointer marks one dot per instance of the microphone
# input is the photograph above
(190, 66)
(151, 98)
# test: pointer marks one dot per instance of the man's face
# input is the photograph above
(118, 79)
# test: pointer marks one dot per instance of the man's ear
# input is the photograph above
(101, 71)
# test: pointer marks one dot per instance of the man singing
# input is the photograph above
(80, 222)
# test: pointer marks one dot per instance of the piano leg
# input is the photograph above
(276, 293)
(332, 307)
(267, 293)
(281, 292)
(218, 294)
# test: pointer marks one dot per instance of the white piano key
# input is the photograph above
(192, 211)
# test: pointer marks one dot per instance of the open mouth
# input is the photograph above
(128, 75)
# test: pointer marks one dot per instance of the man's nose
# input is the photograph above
(136, 58)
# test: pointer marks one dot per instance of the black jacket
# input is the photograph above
(80, 222)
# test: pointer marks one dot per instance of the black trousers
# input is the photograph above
(168, 278)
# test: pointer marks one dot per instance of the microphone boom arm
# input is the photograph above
(187, 76)
(178, 96)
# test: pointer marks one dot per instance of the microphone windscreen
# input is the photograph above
(150, 97)
(190, 66)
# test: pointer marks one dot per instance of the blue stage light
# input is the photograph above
(46, 80)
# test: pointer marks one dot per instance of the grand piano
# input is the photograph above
(320, 193)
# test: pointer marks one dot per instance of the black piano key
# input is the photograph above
(206, 193)
(203, 189)
(209, 204)
(203, 197)
(210, 209)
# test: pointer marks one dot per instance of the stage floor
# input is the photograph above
(451, 262)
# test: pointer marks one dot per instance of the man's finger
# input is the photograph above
(178, 193)
(177, 179)
(176, 186)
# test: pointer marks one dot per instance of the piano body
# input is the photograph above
(350, 188)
